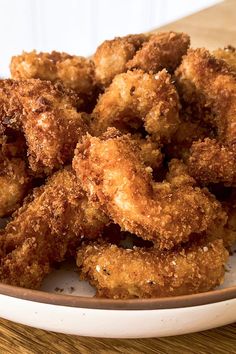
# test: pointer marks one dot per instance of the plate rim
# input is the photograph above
(39, 296)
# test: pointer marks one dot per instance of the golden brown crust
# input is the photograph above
(228, 54)
(13, 144)
(227, 232)
(136, 98)
(144, 273)
(111, 170)
(47, 115)
(150, 151)
(51, 223)
(111, 56)
(126, 188)
(152, 52)
(14, 182)
(211, 162)
(77, 73)
(182, 140)
(209, 81)
(161, 51)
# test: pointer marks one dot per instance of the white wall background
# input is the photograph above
(78, 26)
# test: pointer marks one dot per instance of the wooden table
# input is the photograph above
(212, 28)
(18, 339)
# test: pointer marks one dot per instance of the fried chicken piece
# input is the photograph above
(54, 221)
(179, 176)
(14, 174)
(161, 51)
(150, 151)
(136, 98)
(77, 73)
(209, 82)
(212, 162)
(144, 273)
(228, 54)
(13, 144)
(229, 234)
(14, 182)
(23, 267)
(226, 232)
(182, 140)
(47, 115)
(111, 56)
(111, 170)
(152, 52)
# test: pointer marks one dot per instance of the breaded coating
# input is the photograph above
(161, 51)
(14, 173)
(47, 115)
(226, 232)
(210, 83)
(111, 170)
(13, 144)
(48, 225)
(77, 73)
(149, 150)
(212, 162)
(178, 176)
(14, 182)
(182, 140)
(229, 234)
(228, 54)
(136, 98)
(111, 56)
(144, 273)
(152, 52)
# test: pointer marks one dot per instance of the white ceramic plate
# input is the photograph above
(64, 304)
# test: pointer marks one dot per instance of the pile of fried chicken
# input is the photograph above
(137, 143)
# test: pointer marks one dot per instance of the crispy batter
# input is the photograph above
(111, 56)
(47, 115)
(211, 162)
(13, 144)
(77, 73)
(111, 170)
(144, 273)
(150, 151)
(182, 140)
(14, 174)
(136, 98)
(209, 82)
(226, 232)
(178, 176)
(14, 182)
(229, 234)
(126, 190)
(228, 54)
(46, 228)
(147, 52)
(161, 51)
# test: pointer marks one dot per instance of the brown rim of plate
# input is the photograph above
(110, 304)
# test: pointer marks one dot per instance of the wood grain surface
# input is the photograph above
(212, 28)
(18, 339)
